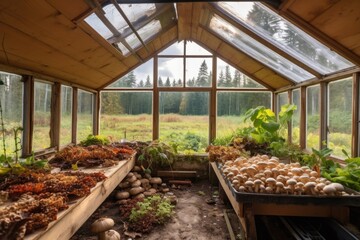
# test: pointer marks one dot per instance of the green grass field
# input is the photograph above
(173, 129)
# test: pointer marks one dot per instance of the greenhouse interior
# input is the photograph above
(181, 120)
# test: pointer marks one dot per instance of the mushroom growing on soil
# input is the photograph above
(310, 188)
(136, 191)
(122, 195)
(137, 183)
(100, 226)
(329, 190)
(155, 181)
(112, 235)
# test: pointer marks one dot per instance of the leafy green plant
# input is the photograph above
(349, 175)
(265, 126)
(95, 140)
(155, 207)
(156, 154)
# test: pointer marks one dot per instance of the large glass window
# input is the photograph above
(282, 99)
(257, 50)
(184, 120)
(198, 72)
(11, 100)
(232, 105)
(285, 35)
(170, 72)
(313, 117)
(295, 121)
(66, 115)
(42, 115)
(230, 77)
(85, 109)
(126, 115)
(140, 77)
(340, 116)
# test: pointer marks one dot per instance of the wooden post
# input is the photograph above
(155, 107)
(303, 117)
(355, 116)
(96, 113)
(323, 115)
(28, 115)
(74, 115)
(213, 107)
(55, 116)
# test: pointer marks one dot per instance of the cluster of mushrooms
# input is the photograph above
(102, 227)
(137, 186)
(262, 174)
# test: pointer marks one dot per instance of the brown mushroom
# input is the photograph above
(137, 183)
(249, 186)
(279, 187)
(100, 226)
(329, 190)
(124, 184)
(131, 179)
(140, 195)
(136, 190)
(122, 195)
(310, 188)
(271, 182)
(291, 183)
(136, 169)
(155, 181)
(112, 235)
(257, 184)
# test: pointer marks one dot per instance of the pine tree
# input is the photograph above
(179, 83)
(237, 79)
(265, 20)
(221, 79)
(160, 83)
(228, 80)
(141, 84)
(203, 76)
(148, 83)
(167, 82)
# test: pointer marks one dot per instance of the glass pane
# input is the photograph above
(66, 115)
(232, 105)
(295, 121)
(282, 100)
(139, 13)
(149, 30)
(193, 48)
(170, 72)
(340, 116)
(140, 77)
(175, 49)
(133, 42)
(313, 117)
(184, 120)
(98, 26)
(114, 16)
(198, 72)
(122, 48)
(84, 115)
(286, 35)
(126, 115)
(11, 100)
(229, 77)
(42, 115)
(258, 51)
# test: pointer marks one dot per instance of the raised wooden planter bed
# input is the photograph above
(70, 220)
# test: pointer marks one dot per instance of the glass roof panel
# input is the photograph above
(149, 30)
(286, 36)
(114, 16)
(122, 48)
(138, 13)
(257, 50)
(95, 22)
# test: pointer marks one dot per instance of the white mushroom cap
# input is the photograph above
(329, 190)
(102, 225)
(112, 235)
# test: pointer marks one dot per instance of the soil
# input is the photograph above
(198, 215)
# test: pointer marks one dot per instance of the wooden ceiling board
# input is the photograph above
(25, 64)
(310, 9)
(212, 43)
(20, 44)
(341, 20)
(63, 36)
(185, 11)
(72, 9)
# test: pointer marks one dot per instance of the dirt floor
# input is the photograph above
(194, 217)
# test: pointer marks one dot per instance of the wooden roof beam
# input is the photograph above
(185, 11)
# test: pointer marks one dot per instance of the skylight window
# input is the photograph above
(257, 50)
(146, 21)
(285, 35)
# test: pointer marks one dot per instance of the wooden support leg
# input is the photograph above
(250, 222)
